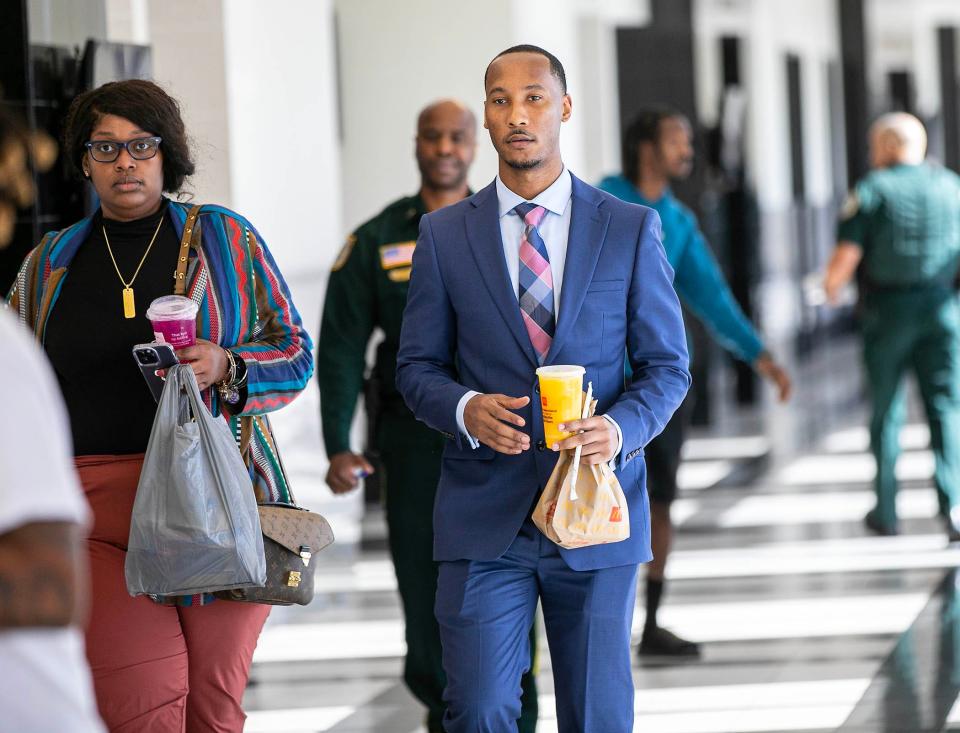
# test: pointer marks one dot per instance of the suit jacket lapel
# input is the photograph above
(486, 244)
(588, 226)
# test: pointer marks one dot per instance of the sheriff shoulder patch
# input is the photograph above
(851, 205)
(345, 252)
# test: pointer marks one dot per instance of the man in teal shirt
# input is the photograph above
(657, 148)
(902, 221)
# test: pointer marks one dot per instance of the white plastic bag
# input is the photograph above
(195, 526)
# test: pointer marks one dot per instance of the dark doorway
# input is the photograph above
(853, 51)
(900, 91)
(950, 115)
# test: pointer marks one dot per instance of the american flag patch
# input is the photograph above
(397, 255)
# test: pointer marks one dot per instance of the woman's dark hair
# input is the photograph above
(145, 104)
(645, 128)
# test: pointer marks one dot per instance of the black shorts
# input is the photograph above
(662, 456)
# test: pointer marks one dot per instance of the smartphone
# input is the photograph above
(152, 358)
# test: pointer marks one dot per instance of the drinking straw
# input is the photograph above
(576, 454)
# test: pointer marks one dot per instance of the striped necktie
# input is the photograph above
(536, 281)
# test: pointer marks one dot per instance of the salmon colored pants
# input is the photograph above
(157, 669)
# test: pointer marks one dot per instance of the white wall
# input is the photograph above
(258, 97)
(395, 58)
(771, 29)
(904, 36)
(188, 61)
(556, 29)
(596, 96)
(128, 21)
(712, 20)
(281, 105)
(62, 22)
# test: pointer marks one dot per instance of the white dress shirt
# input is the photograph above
(554, 229)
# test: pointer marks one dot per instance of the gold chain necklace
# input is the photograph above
(129, 304)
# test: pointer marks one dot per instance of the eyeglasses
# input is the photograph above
(107, 151)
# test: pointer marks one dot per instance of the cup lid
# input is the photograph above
(172, 308)
(561, 370)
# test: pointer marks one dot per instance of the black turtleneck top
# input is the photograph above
(89, 341)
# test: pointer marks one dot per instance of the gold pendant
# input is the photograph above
(129, 306)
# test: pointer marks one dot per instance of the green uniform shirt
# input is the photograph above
(907, 219)
(367, 289)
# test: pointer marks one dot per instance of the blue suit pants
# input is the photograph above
(485, 610)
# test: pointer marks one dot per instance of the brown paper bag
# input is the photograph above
(546, 507)
(582, 505)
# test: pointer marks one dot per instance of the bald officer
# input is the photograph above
(368, 289)
(902, 221)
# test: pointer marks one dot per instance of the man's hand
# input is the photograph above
(841, 269)
(485, 417)
(769, 369)
(208, 361)
(346, 470)
(596, 434)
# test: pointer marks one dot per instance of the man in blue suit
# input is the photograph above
(489, 273)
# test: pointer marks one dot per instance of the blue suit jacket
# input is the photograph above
(462, 330)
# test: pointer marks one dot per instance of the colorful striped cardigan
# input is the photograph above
(244, 306)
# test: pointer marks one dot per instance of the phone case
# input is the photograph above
(152, 358)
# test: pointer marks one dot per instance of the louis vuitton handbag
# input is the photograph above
(291, 538)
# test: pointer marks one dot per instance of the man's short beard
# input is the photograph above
(523, 165)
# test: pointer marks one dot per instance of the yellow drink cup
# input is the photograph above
(561, 399)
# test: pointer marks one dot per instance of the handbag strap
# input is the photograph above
(190, 232)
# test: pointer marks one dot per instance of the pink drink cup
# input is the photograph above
(174, 320)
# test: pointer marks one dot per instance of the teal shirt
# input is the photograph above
(907, 220)
(697, 277)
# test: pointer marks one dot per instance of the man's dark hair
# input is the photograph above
(146, 105)
(556, 68)
(645, 128)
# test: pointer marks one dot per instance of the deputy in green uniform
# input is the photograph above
(903, 221)
(368, 289)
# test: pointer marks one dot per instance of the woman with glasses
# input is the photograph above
(164, 664)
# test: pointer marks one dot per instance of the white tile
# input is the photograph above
(860, 554)
(915, 436)
(295, 720)
(747, 446)
(791, 618)
(857, 468)
(682, 509)
(363, 575)
(698, 475)
(953, 717)
(750, 696)
(319, 641)
(821, 506)
(786, 718)
(745, 708)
